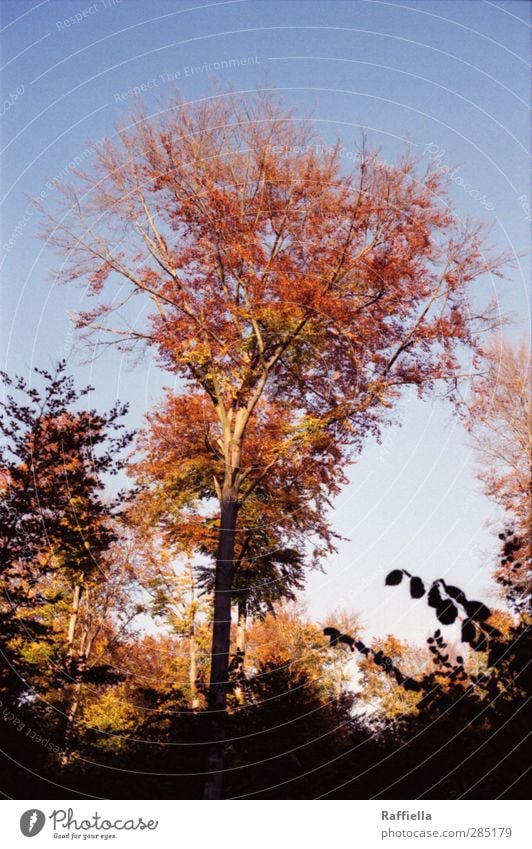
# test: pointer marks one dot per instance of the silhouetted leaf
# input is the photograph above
(347, 640)
(394, 578)
(434, 598)
(469, 632)
(446, 613)
(476, 610)
(333, 634)
(481, 644)
(399, 677)
(417, 588)
(493, 632)
(455, 593)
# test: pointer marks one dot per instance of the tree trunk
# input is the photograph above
(241, 625)
(70, 724)
(192, 671)
(76, 598)
(73, 670)
(241, 644)
(221, 638)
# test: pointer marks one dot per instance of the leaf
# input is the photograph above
(434, 598)
(455, 593)
(493, 632)
(446, 613)
(399, 677)
(347, 640)
(394, 578)
(481, 644)
(469, 632)
(476, 610)
(417, 588)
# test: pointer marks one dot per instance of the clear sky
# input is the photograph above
(448, 78)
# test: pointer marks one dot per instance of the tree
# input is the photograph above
(178, 498)
(283, 292)
(54, 521)
(500, 419)
(176, 600)
(101, 619)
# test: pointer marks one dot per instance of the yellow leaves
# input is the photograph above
(35, 653)
(112, 714)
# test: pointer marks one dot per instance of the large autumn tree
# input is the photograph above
(280, 291)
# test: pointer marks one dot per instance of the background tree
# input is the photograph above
(106, 610)
(55, 522)
(501, 424)
(277, 285)
(500, 420)
(385, 697)
(176, 600)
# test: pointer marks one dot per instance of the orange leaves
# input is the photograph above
(500, 417)
(98, 277)
(254, 237)
(293, 300)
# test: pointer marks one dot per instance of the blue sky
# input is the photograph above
(449, 78)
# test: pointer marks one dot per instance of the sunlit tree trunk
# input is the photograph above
(241, 628)
(221, 636)
(73, 620)
(75, 664)
(193, 669)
